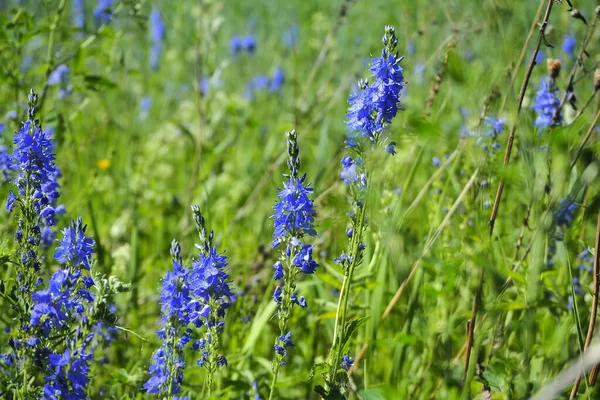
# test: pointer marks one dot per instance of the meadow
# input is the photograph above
(336, 199)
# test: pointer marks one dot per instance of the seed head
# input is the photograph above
(597, 79)
(553, 66)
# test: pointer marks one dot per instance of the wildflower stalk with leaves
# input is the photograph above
(293, 220)
(371, 109)
(192, 296)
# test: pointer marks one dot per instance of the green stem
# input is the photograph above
(274, 381)
(284, 314)
(340, 318)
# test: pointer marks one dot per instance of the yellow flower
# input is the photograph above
(103, 164)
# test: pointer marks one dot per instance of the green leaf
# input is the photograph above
(334, 394)
(97, 82)
(319, 368)
(352, 326)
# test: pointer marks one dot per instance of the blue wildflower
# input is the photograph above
(197, 295)
(390, 148)
(565, 213)
(278, 267)
(283, 343)
(249, 43)
(235, 45)
(374, 106)
(585, 256)
(166, 369)
(60, 77)
(277, 294)
(102, 13)
(568, 46)
(435, 161)
(299, 301)
(546, 105)
(303, 260)
(208, 283)
(294, 211)
(204, 86)
(293, 220)
(157, 35)
(539, 57)
(34, 161)
(347, 362)
(77, 8)
(36, 178)
(69, 375)
(494, 126)
(257, 84)
(277, 80)
(75, 248)
(67, 293)
(351, 170)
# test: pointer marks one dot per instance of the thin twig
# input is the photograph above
(594, 310)
(523, 229)
(587, 103)
(587, 137)
(511, 138)
(471, 323)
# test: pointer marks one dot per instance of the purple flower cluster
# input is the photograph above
(294, 212)
(69, 375)
(36, 176)
(262, 82)
(239, 44)
(353, 172)
(197, 296)
(33, 159)
(282, 344)
(566, 212)
(67, 293)
(293, 220)
(546, 105)
(374, 105)
(60, 309)
(347, 362)
(568, 46)
(166, 367)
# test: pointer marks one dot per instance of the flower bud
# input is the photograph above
(553, 66)
(597, 80)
